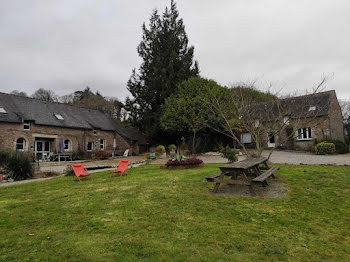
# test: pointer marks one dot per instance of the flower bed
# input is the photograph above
(187, 163)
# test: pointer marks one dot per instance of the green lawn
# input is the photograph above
(161, 215)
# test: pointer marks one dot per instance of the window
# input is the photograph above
(304, 134)
(312, 108)
(67, 145)
(20, 144)
(2, 110)
(246, 138)
(59, 117)
(26, 125)
(102, 144)
(257, 123)
(95, 132)
(286, 120)
(90, 146)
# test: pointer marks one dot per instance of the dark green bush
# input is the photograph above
(228, 153)
(347, 140)
(325, 148)
(17, 166)
(340, 146)
(68, 171)
(5, 154)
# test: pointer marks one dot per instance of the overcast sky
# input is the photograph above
(65, 45)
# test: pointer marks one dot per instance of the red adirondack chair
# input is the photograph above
(123, 165)
(80, 171)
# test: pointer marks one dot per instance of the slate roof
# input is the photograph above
(132, 134)
(20, 109)
(295, 106)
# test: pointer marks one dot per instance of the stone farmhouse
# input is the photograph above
(312, 117)
(44, 129)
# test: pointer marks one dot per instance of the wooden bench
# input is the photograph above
(262, 178)
(212, 178)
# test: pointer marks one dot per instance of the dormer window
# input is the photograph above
(312, 108)
(59, 117)
(26, 125)
(2, 110)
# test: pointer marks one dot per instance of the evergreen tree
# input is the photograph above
(167, 61)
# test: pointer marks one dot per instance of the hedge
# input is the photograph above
(325, 148)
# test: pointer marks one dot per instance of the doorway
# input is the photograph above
(271, 142)
(42, 150)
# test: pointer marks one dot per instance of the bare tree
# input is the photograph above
(345, 108)
(288, 118)
(19, 93)
(46, 95)
(67, 99)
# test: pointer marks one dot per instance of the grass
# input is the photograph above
(162, 215)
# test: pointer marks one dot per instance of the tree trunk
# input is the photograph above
(193, 141)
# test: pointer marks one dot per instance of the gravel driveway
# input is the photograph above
(292, 157)
(282, 157)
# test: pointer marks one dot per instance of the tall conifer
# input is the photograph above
(167, 61)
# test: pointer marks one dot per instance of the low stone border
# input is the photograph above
(182, 166)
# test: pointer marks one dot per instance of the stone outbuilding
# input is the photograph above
(44, 129)
(308, 118)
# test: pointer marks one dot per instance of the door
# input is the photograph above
(42, 149)
(271, 140)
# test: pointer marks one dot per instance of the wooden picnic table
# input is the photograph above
(60, 157)
(244, 172)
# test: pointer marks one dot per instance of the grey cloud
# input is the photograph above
(65, 45)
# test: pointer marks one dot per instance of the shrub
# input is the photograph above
(186, 162)
(68, 171)
(325, 148)
(5, 154)
(102, 155)
(160, 149)
(18, 165)
(228, 153)
(46, 174)
(79, 155)
(347, 140)
(172, 147)
(340, 146)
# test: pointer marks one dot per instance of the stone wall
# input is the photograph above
(336, 124)
(320, 129)
(9, 133)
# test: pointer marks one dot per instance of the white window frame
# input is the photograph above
(286, 120)
(23, 144)
(102, 144)
(95, 132)
(92, 146)
(69, 145)
(257, 123)
(26, 124)
(312, 108)
(244, 139)
(304, 134)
